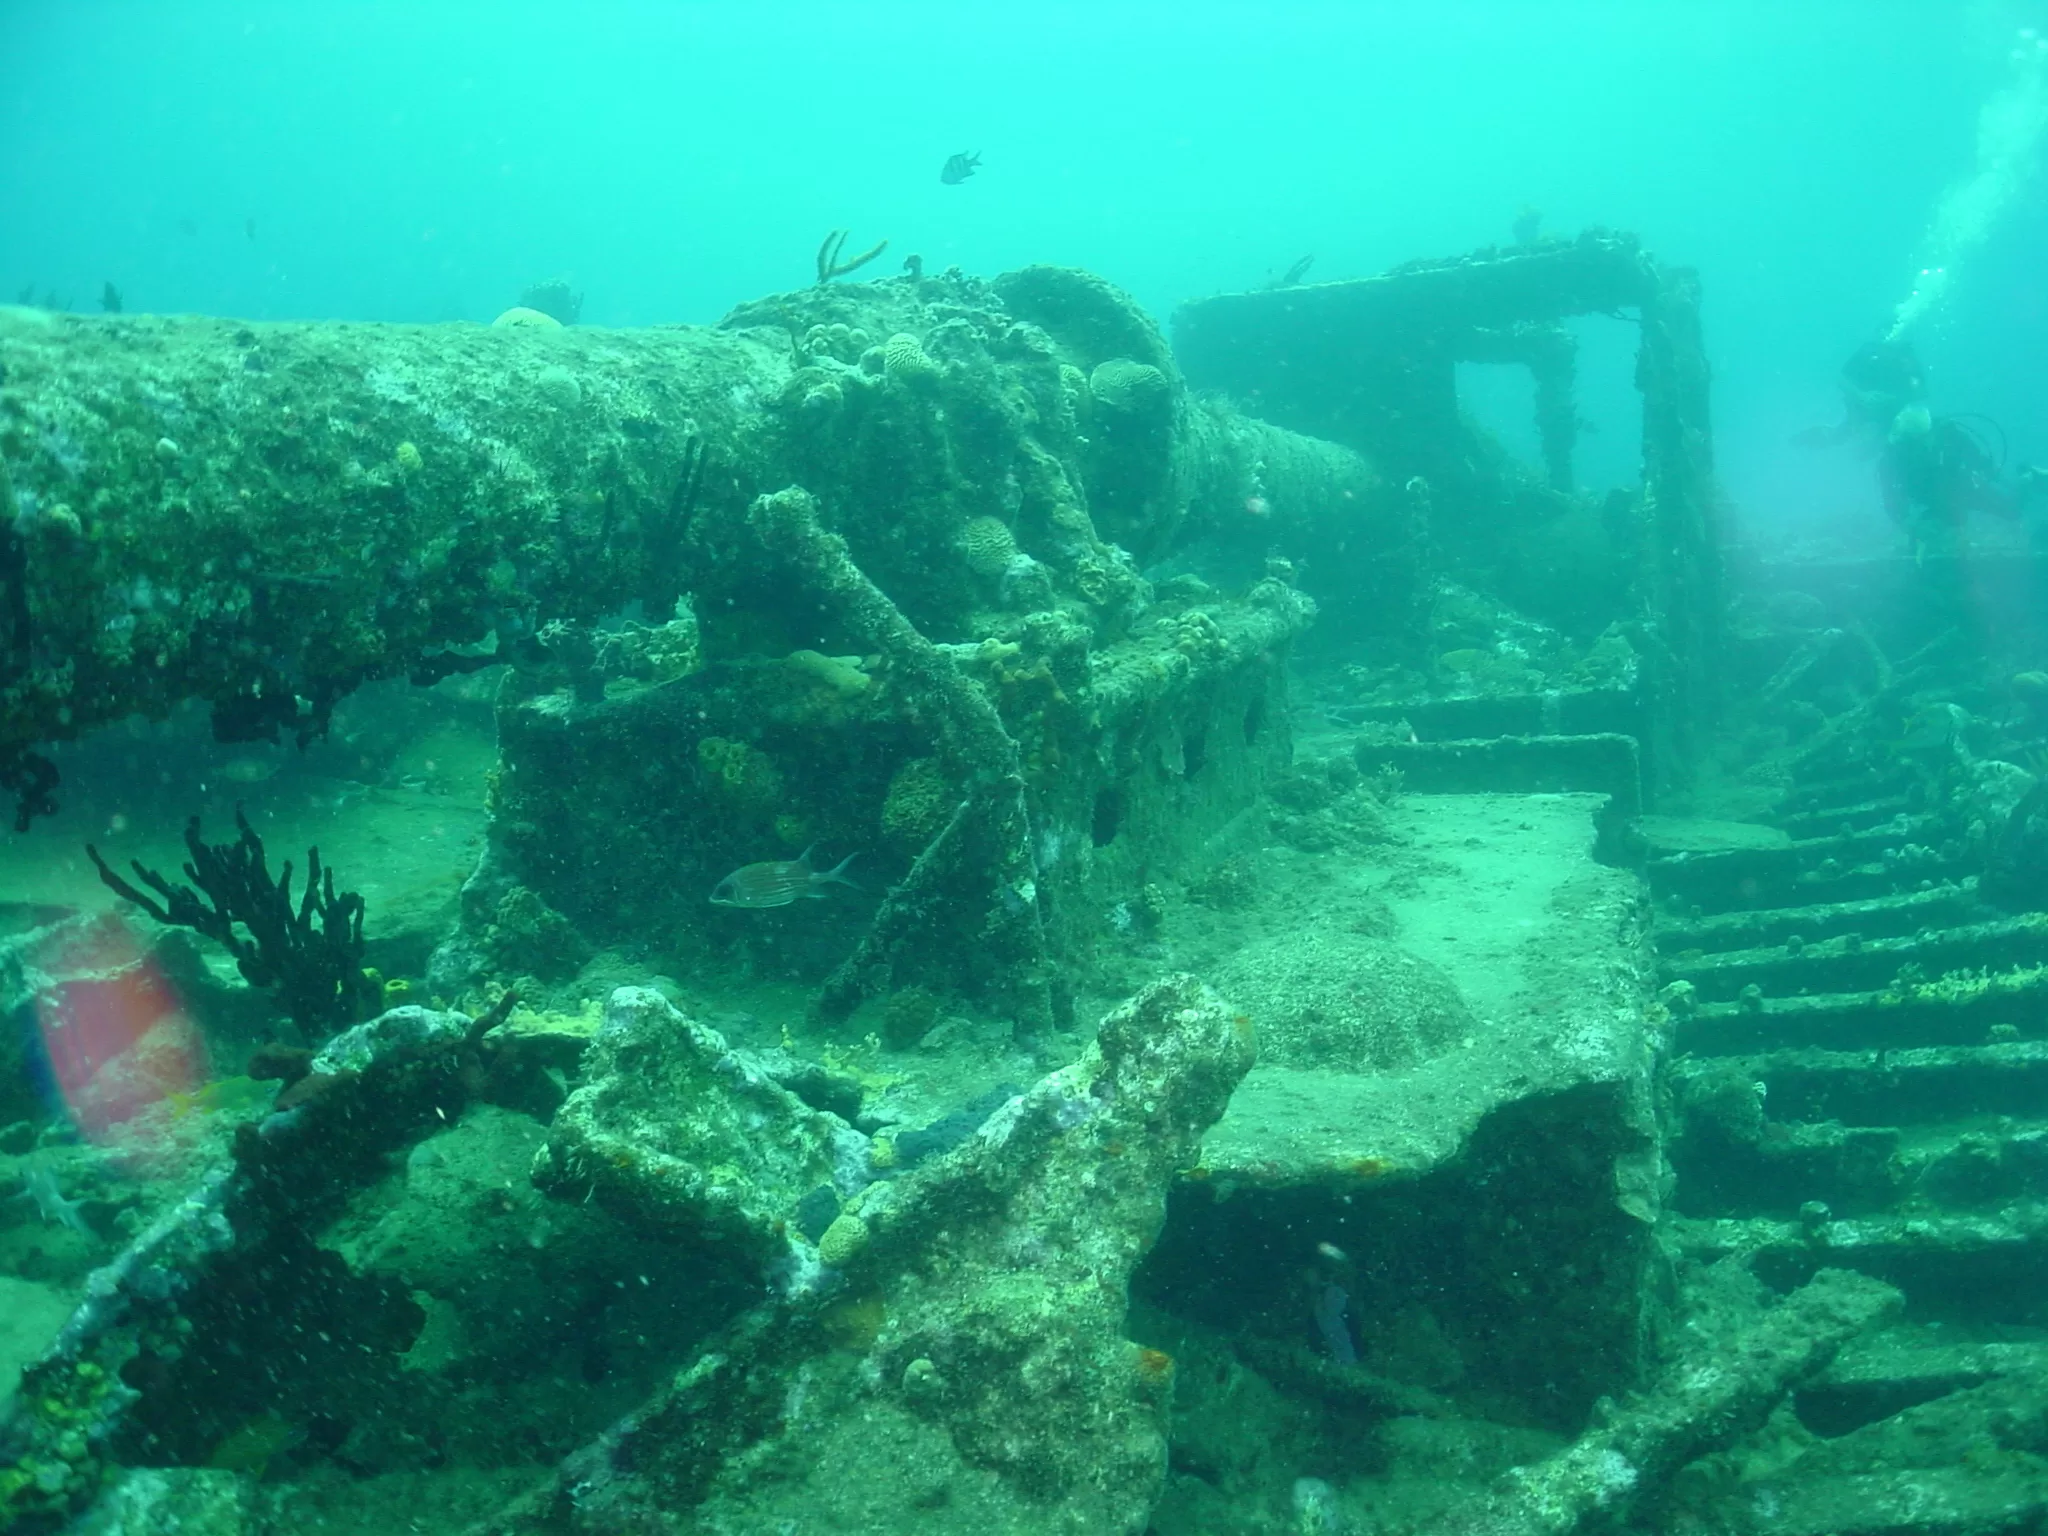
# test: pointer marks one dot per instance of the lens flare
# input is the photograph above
(115, 1035)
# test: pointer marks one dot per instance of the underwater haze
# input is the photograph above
(425, 162)
(787, 769)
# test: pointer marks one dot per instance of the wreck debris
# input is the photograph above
(1062, 584)
(686, 1135)
(972, 1371)
(160, 1348)
(1965, 1456)
(1705, 1403)
(534, 529)
(996, 829)
(1550, 353)
(1372, 363)
(1015, 1253)
(269, 568)
(24, 773)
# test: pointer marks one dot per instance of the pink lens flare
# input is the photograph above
(115, 1031)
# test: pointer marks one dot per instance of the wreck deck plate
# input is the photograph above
(1502, 893)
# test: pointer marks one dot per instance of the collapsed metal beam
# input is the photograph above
(267, 516)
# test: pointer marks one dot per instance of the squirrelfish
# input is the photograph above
(779, 882)
(39, 1183)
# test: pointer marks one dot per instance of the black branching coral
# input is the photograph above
(310, 955)
(830, 254)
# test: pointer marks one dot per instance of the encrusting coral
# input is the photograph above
(919, 800)
(963, 1362)
(970, 735)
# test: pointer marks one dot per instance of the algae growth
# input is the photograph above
(1263, 1069)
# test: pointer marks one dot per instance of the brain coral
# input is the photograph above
(988, 545)
(843, 1240)
(904, 358)
(1124, 385)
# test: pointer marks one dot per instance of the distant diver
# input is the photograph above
(1933, 471)
(959, 167)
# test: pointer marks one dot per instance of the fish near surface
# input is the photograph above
(779, 882)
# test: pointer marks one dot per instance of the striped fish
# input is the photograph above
(779, 882)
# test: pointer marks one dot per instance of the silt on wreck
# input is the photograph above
(985, 582)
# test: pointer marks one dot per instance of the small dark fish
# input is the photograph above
(959, 167)
(110, 298)
(779, 882)
(188, 226)
(1528, 225)
(1294, 274)
(249, 228)
(1331, 1303)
